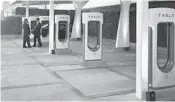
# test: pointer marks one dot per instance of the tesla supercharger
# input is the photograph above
(44, 28)
(162, 71)
(93, 21)
(62, 32)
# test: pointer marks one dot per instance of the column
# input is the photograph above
(122, 38)
(51, 28)
(27, 10)
(142, 49)
(76, 31)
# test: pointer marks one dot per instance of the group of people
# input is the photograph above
(27, 32)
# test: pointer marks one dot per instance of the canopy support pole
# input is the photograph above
(76, 31)
(27, 10)
(122, 38)
(142, 49)
(51, 28)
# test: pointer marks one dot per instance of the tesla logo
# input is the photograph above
(63, 17)
(167, 15)
(94, 16)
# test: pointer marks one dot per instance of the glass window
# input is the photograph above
(62, 31)
(94, 35)
(45, 28)
(165, 54)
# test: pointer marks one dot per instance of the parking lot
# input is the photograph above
(35, 75)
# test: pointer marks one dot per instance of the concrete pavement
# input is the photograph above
(34, 75)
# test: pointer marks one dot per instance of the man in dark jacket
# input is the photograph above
(37, 33)
(26, 34)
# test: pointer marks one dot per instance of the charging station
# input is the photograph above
(62, 41)
(93, 21)
(44, 28)
(162, 60)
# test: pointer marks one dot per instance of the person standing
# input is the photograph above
(37, 33)
(26, 34)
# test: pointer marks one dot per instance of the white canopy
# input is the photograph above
(68, 4)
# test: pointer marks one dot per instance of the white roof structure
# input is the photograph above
(101, 3)
(90, 4)
(64, 7)
(68, 4)
(97, 3)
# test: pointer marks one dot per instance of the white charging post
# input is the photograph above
(44, 28)
(92, 53)
(163, 58)
(62, 40)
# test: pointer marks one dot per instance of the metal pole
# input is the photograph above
(51, 28)
(142, 49)
(27, 9)
(122, 38)
(76, 31)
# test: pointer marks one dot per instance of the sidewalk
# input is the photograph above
(34, 75)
